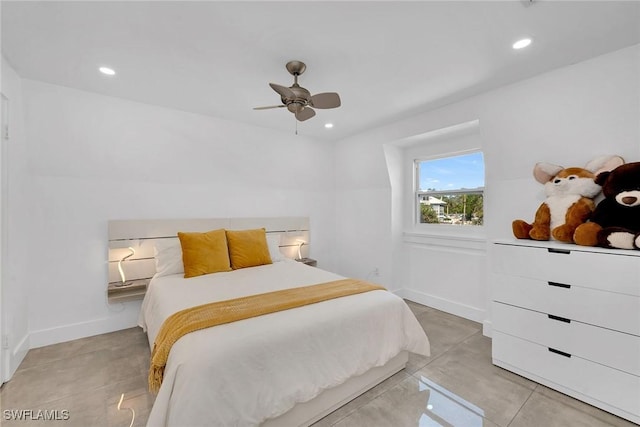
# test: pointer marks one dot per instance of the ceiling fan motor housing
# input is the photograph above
(295, 107)
(300, 101)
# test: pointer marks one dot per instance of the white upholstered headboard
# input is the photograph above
(141, 235)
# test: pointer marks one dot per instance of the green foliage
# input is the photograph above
(466, 207)
(428, 215)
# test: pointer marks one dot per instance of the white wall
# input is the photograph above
(93, 158)
(87, 158)
(454, 278)
(16, 205)
(566, 116)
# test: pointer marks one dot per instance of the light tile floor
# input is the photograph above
(456, 386)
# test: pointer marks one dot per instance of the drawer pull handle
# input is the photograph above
(561, 353)
(558, 318)
(559, 251)
(559, 285)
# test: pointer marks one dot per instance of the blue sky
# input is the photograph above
(464, 171)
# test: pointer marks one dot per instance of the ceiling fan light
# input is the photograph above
(295, 107)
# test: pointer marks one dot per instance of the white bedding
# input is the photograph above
(243, 373)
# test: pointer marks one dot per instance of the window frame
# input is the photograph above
(417, 193)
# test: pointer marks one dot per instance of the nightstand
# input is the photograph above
(135, 290)
(308, 261)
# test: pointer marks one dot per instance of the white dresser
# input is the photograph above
(568, 317)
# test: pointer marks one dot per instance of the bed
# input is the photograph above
(287, 368)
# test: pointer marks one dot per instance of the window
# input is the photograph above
(450, 190)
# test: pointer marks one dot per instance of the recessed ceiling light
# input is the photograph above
(328, 125)
(522, 43)
(108, 71)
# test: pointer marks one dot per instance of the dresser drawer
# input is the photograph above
(610, 310)
(613, 272)
(610, 348)
(600, 384)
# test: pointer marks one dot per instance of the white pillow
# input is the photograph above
(168, 254)
(273, 241)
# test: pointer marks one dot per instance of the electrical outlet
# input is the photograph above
(5, 341)
(376, 272)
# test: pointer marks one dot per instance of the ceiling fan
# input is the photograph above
(299, 100)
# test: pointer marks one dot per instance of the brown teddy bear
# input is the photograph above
(615, 223)
(569, 202)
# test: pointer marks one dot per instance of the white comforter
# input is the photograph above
(243, 373)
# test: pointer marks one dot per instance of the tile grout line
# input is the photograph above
(531, 391)
(410, 375)
(6, 388)
(440, 355)
(522, 406)
(371, 401)
(458, 345)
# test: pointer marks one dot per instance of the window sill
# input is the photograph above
(447, 231)
(447, 239)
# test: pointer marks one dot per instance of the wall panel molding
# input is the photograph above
(471, 245)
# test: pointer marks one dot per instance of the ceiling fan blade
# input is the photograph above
(325, 100)
(269, 107)
(305, 114)
(283, 91)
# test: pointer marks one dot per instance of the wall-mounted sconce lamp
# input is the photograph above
(300, 243)
(122, 276)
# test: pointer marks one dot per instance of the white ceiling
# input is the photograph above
(386, 59)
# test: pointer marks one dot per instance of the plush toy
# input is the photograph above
(569, 202)
(616, 221)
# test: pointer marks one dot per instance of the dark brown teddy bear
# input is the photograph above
(615, 223)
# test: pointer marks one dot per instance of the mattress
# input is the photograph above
(245, 372)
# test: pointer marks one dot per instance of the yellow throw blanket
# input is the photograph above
(221, 312)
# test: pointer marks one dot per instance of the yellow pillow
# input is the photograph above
(248, 248)
(204, 253)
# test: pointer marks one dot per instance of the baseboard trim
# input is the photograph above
(453, 307)
(487, 328)
(124, 320)
(129, 319)
(16, 356)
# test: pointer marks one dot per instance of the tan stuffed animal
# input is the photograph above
(569, 203)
